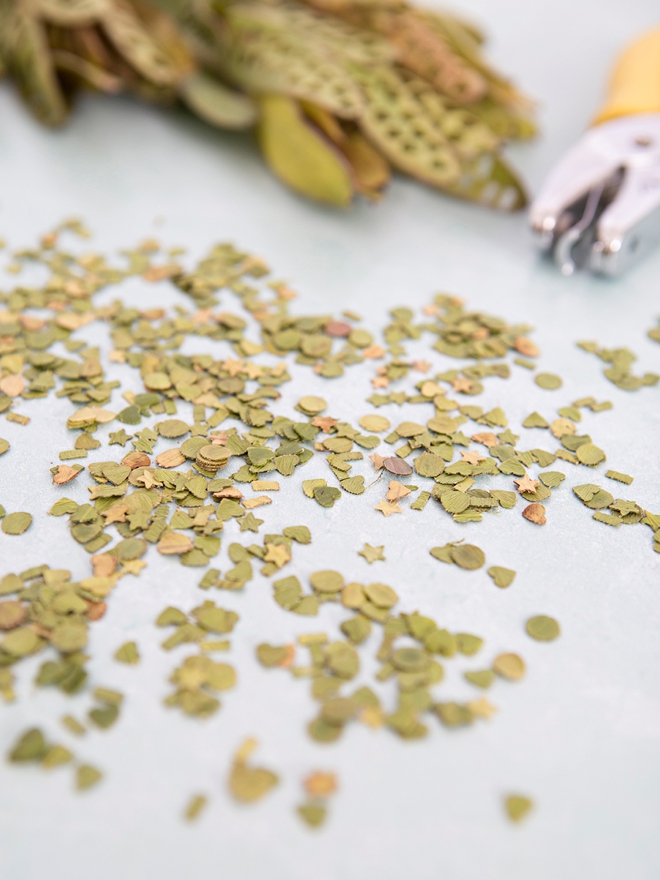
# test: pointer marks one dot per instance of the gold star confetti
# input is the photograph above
(372, 554)
(387, 509)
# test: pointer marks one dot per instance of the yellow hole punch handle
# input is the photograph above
(635, 81)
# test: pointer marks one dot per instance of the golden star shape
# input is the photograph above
(234, 367)
(380, 382)
(526, 484)
(462, 384)
(147, 480)
(472, 456)
(387, 509)
(277, 553)
(324, 423)
(133, 566)
(116, 513)
(372, 554)
(482, 708)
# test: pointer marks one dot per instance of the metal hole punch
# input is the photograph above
(600, 207)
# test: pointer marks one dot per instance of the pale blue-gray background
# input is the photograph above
(581, 734)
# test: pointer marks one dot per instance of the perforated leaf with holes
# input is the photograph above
(466, 133)
(265, 53)
(427, 53)
(398, 125)
(490, 182)
(343, 39)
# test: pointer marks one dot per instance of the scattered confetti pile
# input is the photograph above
(206, 443)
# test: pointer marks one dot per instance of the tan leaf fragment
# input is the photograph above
(229, 492)
(65, 473)
(251, 503)
(174, 544)
(320, 784)
(73, 321)
(535, 513)
(431, 389)
(526, 347)
(96, 610)
(92, 414)
(12, 386)
(377, 460)
(486, 439)
(372, 716)
(287, 661)
(472, 456)
(373, 352)
(136, 459)
(104, 565)
(32, 323)
(397, 490)
(265, 486)
(171, 458)
(562, 426)
(160, 273)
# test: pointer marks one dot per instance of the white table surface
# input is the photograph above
(580, 734)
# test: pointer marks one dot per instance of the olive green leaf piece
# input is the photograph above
(87, 777)
(30, 746)
(548, 381)
(195, 807)
(590, 454)
(593, 496)
(16, 523)
(466, 556)
(619, 373)
(246, 783)
(300, 155)
(482, 678)
(127, 653)
(313, 814)
(621, 478)
(517, 806)
(543, 628)
(535, 420)
(552, 479)
(197, 679)
(502, 577)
